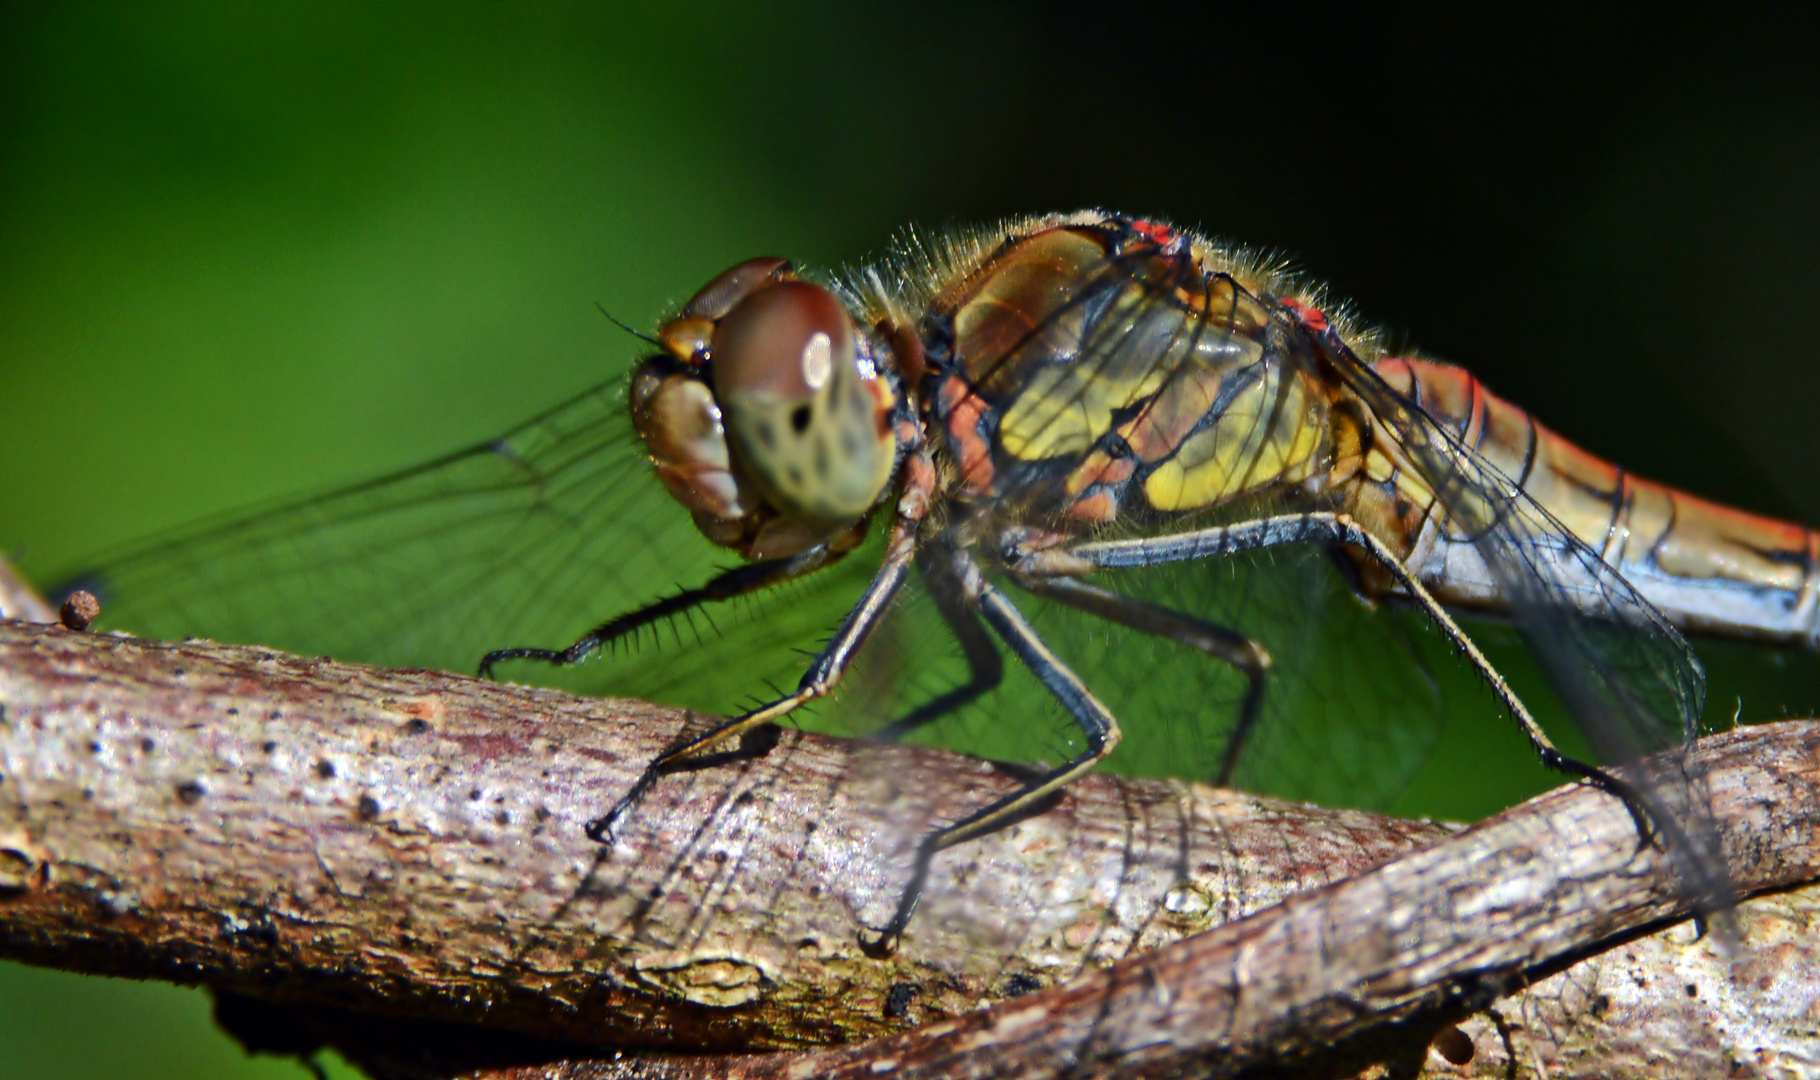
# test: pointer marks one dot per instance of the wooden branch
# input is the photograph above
(409, 844)
(18, 600)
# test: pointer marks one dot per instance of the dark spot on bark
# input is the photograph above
(233, 711)
(147, 745)
(473, 794)
(1020, 984)
(543, 813)
(502, 818)
(1693, 991)
(718, 857)
(416, 726)
(276, 715)
(898, 999)
(94, 748)
(800, 417)
(1453, 1044)
(270, 746)
(190, 792)
(367, 808)
(325, 769)
(177, 673)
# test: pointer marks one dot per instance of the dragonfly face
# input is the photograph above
(766, 417)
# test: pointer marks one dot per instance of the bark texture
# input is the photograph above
(361, 842)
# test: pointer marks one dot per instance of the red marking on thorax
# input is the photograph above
(964, 411)
(1155, 230)
(1309, 316)
(1095, 509)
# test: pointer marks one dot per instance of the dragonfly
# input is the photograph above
(983, 430)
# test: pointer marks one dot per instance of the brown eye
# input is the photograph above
(719, 296)
(781, 343)
(798, 417)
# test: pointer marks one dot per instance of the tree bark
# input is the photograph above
(365, 843)
(19, 600)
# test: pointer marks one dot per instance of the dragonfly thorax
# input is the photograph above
(767, 416)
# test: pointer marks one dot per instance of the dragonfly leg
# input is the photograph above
(1332, 528)
(829, 664)
(1248, 657)
(739, 581)
(824, 672)
(1096, 722)
(986, 668)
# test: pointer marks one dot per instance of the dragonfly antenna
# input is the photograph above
(646, 338)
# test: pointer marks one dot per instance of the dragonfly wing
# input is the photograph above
(1626, 675)
(1351, 709)
(531, 538)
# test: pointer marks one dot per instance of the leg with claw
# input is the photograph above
(739, 581)
(1249, 657)
(1096, 723)
(824, 672)
(1329, 528)
(830, 663)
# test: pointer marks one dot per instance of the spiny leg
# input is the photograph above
(986, 668)
(1097, 724)
(1249, 657)
(1327, 527)
(739, 581)
(825, 670)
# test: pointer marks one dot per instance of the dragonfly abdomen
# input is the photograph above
(1708, 568)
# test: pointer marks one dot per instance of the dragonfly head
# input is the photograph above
(766, 415)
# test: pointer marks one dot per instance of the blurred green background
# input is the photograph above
(249, 249)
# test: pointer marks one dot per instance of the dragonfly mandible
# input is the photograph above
(1029, 410)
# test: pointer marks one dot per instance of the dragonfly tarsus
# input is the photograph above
(1097, 724)
(739, 581)
(823, 675)
(1322, 526)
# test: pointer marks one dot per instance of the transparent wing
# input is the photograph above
(528, 539)
(1628, 678)
(1351, 712)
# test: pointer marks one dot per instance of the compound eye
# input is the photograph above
(781, 343)
(721, 295)
(798, 414)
